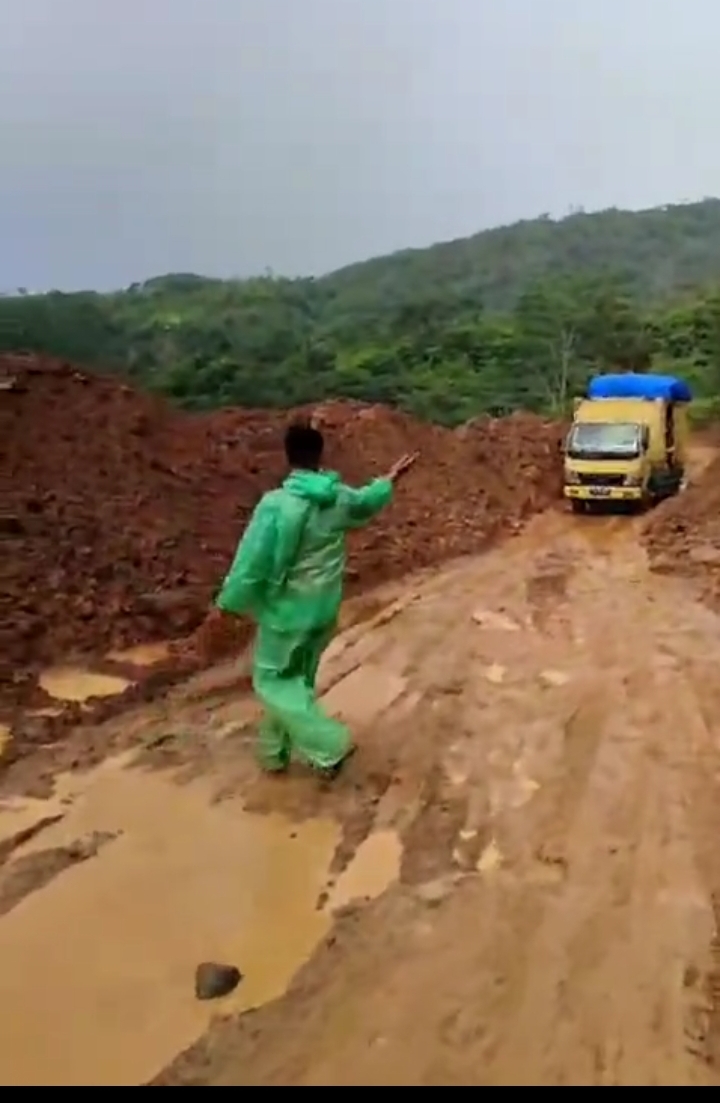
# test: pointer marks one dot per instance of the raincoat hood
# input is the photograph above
(319, 487)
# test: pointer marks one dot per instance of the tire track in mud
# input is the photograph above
(702, 973)
(610, 821)
(647, 899)
(575, 1022)
(551, 868)
(626, 901)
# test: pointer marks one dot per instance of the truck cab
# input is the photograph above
(628, 441)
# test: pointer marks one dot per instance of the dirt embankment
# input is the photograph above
(683, 535)
(121, 514)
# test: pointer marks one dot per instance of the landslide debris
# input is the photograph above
(682, 536)
(122, 514)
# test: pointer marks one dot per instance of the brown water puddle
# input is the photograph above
(98, 966)
(375, 866)
(69, 683)
(78, 684)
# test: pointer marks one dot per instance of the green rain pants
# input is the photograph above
(285, 667)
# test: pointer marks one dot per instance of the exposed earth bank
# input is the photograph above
(122, 514)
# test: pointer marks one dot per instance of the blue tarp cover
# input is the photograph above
(629, 385)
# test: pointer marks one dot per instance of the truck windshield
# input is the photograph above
(611, 440)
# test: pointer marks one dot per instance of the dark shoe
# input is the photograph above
(279, 767)
(331, 772)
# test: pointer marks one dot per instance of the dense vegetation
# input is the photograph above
(518, 316)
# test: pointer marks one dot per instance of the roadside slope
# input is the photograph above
(682, 535)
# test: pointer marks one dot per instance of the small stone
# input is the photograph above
(90, 845)
(230, 729)
(490, 858)
(705, 555)
(554, 677)
(433, 893)
(213, 980)
(487, 618)
(158, 739)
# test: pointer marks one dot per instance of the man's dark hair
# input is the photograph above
(304, 445)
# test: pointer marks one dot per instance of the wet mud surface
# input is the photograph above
(554, 784)
(514, 882)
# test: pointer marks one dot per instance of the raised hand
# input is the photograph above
(402, 466)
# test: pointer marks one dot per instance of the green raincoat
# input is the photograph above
(288, 576)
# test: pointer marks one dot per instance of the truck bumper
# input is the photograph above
(604, 493)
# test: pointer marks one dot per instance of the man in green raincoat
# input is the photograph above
(288, 576)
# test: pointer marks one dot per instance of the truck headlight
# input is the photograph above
(633, 480)
(572, 478)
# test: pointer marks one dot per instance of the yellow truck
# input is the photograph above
(628, 441)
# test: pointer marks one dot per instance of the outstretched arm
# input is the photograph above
(368, 500)
(365, 501)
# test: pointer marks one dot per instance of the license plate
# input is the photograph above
(599, 491)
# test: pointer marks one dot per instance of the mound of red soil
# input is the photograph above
(109, 517)
(682, 536)
(122, 514)
(467, 489)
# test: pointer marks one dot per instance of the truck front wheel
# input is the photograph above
(578, 506)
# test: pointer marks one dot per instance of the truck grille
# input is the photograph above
(602, 480)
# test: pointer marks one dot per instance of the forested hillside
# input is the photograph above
(516, 316)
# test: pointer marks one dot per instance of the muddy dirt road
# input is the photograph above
(530, 836)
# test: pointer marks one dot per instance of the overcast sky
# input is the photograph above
(227, 137)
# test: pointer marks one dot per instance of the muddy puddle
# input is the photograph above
(69, 683)
(375, 866)
(79, 684)
(98, 965)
